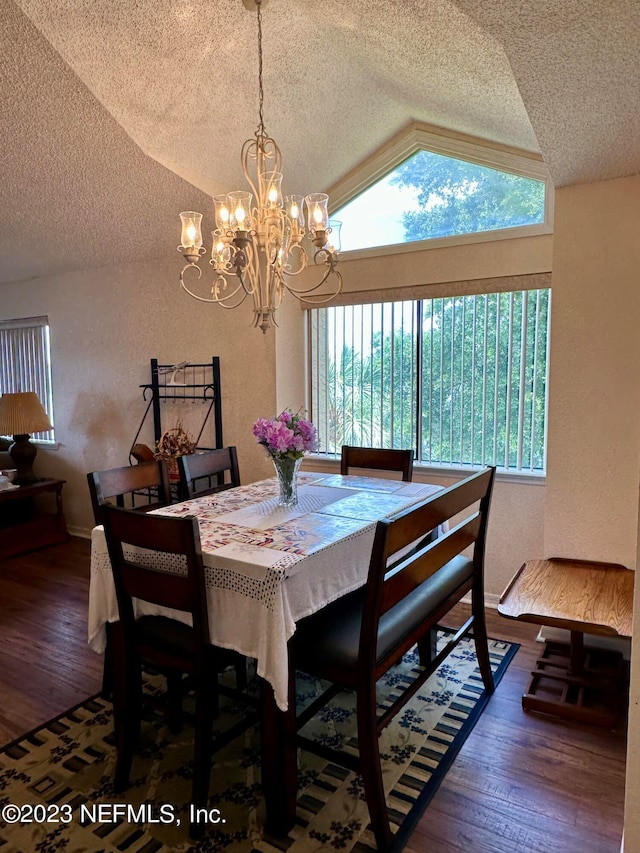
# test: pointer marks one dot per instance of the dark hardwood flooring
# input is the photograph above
(522, 782)
(46, 664)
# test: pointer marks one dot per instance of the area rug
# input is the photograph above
(56, 790)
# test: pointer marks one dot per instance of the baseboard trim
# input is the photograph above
(594, 641)
(80, 532)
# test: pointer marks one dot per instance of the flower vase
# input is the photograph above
(287, 473)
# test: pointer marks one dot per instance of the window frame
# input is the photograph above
(512, 474)
(40, 363)
(417, 137)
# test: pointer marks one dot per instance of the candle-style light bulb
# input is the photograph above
(294, 211)
(240, 216)
(191, 234)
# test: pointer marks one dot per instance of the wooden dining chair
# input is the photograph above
(142, 487)
(167, 645)
(147, 483)
(377, 458)
(357, 639)
(208, 472)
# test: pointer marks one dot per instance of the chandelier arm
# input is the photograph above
(279, 289)
(222, 302)
(225, 301)
(317, 299)
(209, 299)
(249, 151)
(302, 260)
(219, 300)
(235, 304)
(252, 267)
(186, 267)
(331, 270)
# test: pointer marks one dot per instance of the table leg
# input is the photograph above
(279, 760)
(576, 653)
(577, 683)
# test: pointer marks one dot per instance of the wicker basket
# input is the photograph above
(173, 443)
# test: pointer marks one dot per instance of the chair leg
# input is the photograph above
(481, 642)
(127, 707)
(369, 749)
(206, 702)
(279, 757)
(107, 668)
(241, 673)
(428, 647)
(174, 698)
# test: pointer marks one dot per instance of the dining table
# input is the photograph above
(267, 567)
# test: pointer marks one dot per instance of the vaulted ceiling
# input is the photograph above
(117, 114)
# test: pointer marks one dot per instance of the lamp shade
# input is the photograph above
(22, 414)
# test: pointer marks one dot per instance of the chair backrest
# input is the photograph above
(142, 453)
(148, 482)
(169, 571)
(382, 459)
(208, 472)
(402, 559)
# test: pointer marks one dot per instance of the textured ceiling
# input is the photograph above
(115, 115)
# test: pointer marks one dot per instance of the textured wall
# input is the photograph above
(105, 326)
(594, 424)
(594, 412)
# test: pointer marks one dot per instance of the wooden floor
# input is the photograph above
(521, 782)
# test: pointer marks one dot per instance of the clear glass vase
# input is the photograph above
(287, 474)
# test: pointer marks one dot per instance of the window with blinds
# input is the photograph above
(462, 379)
(25, 362)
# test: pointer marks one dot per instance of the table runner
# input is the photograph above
(266, 567)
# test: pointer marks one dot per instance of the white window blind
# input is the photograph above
(25, 362)
(461, 379)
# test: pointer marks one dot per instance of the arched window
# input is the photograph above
(429, 184)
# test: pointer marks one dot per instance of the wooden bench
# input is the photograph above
(570, 680)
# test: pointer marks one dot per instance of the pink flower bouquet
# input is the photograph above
(287, 436)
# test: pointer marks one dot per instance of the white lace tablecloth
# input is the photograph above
(267, 566)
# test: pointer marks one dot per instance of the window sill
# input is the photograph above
(331, 462)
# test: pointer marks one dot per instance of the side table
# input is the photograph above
(25, 521)
(571, 681)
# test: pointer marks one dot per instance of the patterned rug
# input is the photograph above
(56, 791)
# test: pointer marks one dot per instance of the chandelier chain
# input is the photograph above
(261, 128)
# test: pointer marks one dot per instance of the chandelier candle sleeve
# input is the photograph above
(192, 234)
(258, 248)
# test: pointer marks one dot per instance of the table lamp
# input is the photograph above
(20, 415)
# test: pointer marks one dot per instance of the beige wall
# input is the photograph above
(594, 418)
(473, 260)
(105, 326)
(291, 362)
(594, 384)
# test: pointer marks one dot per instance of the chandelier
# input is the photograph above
(258, 248)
